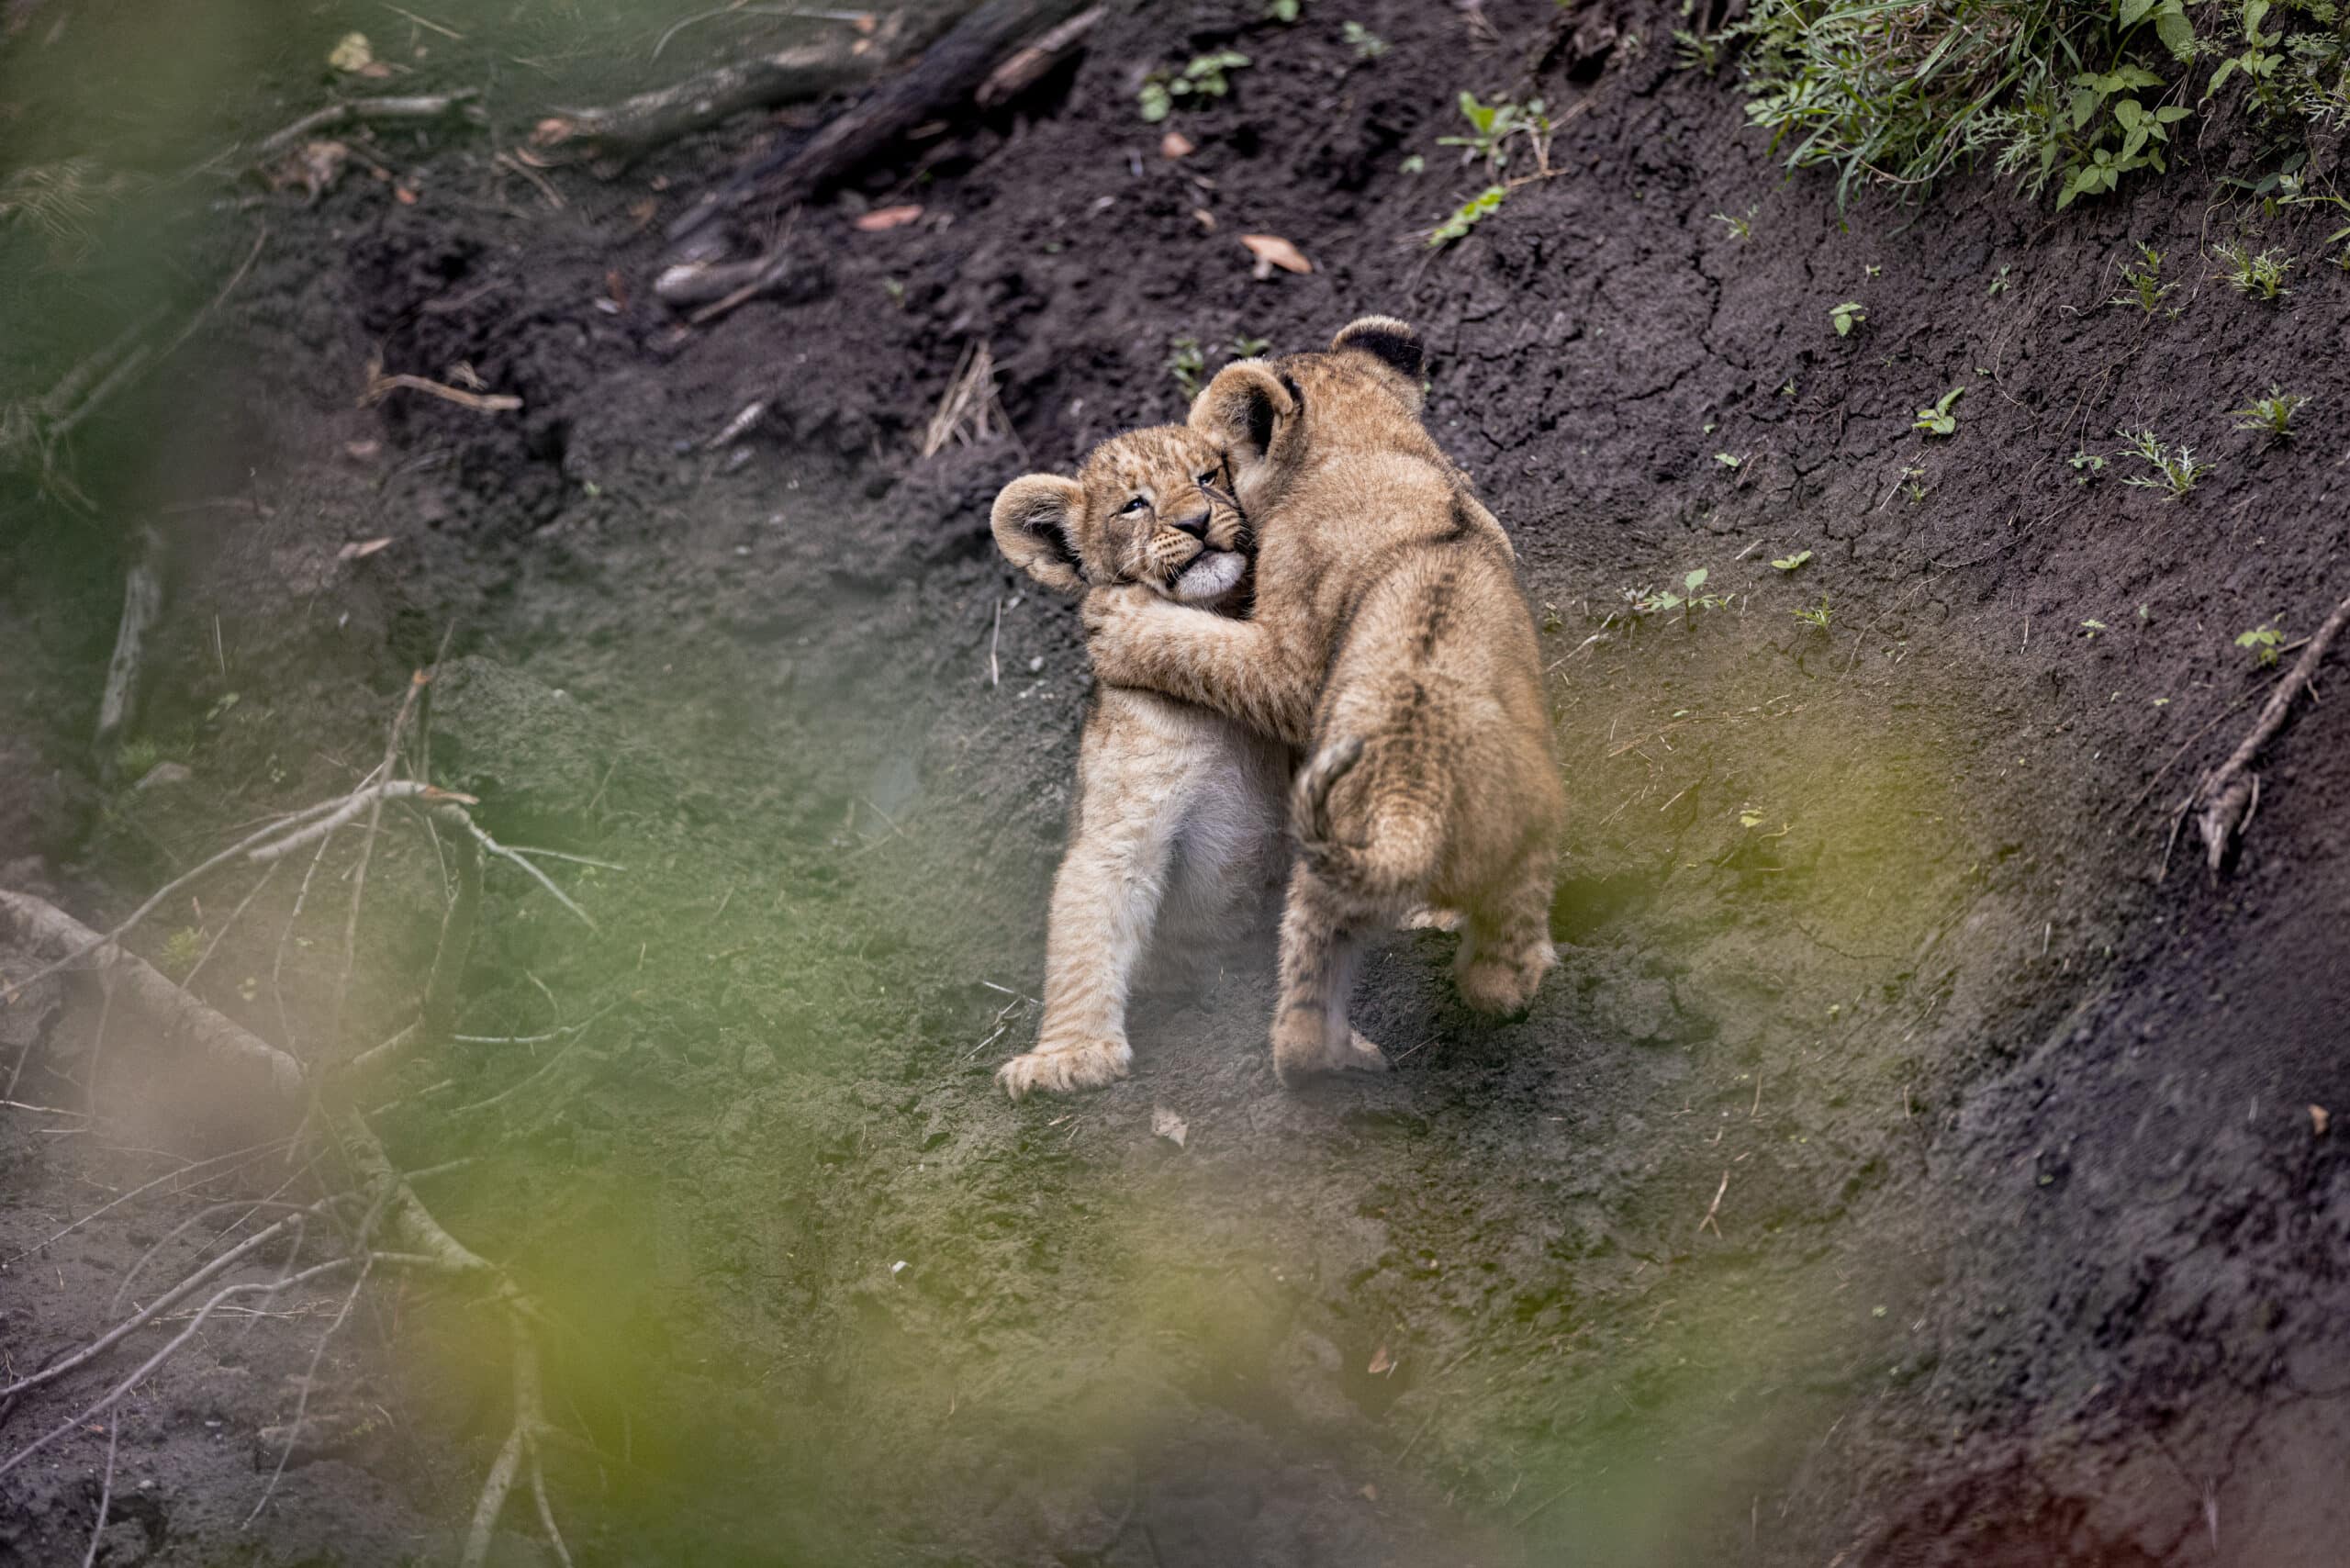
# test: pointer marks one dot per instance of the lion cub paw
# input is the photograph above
(1504, 983)
(1302, 1056)
(1057, 1069)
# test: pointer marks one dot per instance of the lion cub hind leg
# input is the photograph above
(1505, 949)
(1320, 949)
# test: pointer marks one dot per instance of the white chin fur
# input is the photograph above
(1211, 575)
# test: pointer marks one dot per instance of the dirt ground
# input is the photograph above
(1901, 1167)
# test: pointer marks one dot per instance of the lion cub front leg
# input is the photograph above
(1105, 899)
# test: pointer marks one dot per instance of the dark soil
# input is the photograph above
(1899, 1169)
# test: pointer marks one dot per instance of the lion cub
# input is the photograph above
(1178, 809)
(1391, 639)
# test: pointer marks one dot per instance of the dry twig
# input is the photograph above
(2230, 792)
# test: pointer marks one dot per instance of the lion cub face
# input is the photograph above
(1147, 508)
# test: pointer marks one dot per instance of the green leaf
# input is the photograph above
(2171, 114)
(2254, 11)
(1694, 581)
(2127, 111)
(2132, 12)
(2176, 32)
(1789, 562)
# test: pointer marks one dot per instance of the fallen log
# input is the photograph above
(610, 138)
(947, 75)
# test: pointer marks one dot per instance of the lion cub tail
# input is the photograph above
(1380, 853)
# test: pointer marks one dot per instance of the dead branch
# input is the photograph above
(947, 76)
(1037, 59)
(2230, 791)
(611, 137)
(257, 1070)
(719, 287)
(369, 111)
(142, 605)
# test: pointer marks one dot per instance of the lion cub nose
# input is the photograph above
(1196, 525)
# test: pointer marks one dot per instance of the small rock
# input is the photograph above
(1166, 1123)
(758, 1060)
(164, 775)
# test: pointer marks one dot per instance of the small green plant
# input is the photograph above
(1817, 617)
(2091, 628)
(2255, 276)
(136, 759)
(1185, 361)
(2272, 415)
(1469, 214)
(1284, 11)
(1207, 76)
(1999, 280)
(1246, 347)
(2144, 281)
(1494, 127)
(2175, 470)
(181, 948)
(1367, 45)
(1913, 484)
(2264, 641)
(1846, 317)
(1692, 596)
(1728, 459)
(1938, 420)
(2144, 131)
(1413, 164)
(1789, 562)
(1696, 51)
(2087, 467)
(1739, 228)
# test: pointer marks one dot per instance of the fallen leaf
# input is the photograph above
(1381, 1362)
(375, 68)
(1369, 1492)
(360, 549)
(887, 217)
(362, 449)
(616, 288)
(1166, 1123)
(1271, 251)
(1206, 219)
(554, 130)
(2320, 1118)
(351, 53)
(405, 194)
(1175, 144)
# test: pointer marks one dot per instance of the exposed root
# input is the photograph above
(369, 111)
(2230, 792)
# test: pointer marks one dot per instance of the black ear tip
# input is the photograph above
(1385, 339)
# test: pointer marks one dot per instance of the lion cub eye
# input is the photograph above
(1208, 478)
(1135, 505)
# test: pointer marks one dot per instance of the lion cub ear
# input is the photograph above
(1034, 521)
(1246, 410)
(1386, 339)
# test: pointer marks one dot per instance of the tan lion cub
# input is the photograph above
(1178, 809)
(1391, 639)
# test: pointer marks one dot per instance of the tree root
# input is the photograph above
(2230, 792)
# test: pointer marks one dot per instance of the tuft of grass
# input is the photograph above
(1818, 617)
(2272, 415)
(2071, 95)
(2255, 276)
(1741, 228)
(181, 948)
(2175, 470)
